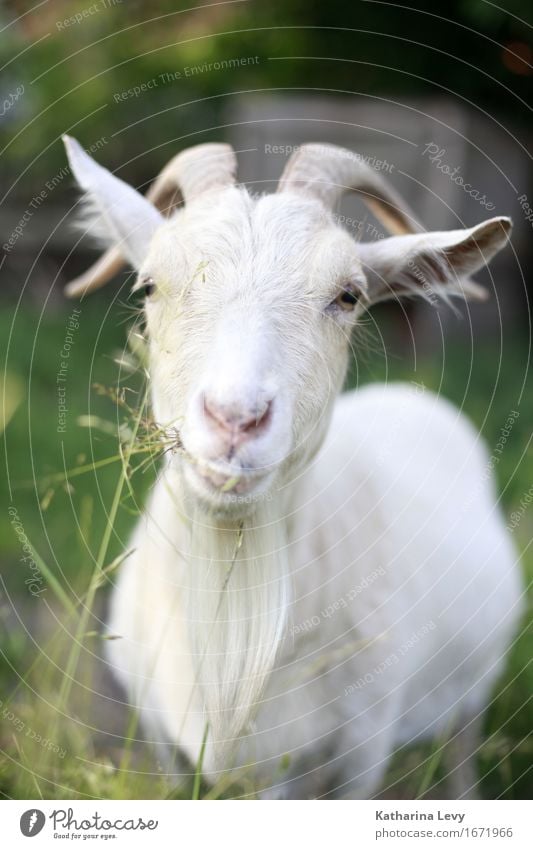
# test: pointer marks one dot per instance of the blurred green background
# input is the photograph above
(67, 74)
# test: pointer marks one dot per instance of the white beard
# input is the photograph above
(238, 595)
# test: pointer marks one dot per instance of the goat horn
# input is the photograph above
(204, 167)
(326, 171)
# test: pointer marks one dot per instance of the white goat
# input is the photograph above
(315, 577)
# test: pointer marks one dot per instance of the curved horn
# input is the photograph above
(326, 171)
(202, 168)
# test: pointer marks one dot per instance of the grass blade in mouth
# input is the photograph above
(230, 484)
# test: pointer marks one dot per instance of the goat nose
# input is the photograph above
(237, 423)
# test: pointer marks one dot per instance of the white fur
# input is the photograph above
(350, 537)
(413, 512)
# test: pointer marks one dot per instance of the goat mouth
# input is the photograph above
(227, 481)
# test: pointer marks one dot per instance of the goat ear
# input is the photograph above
(123, 217)
(432, 263)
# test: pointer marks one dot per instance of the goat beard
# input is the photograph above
(237, 608)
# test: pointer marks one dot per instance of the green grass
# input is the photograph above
(37, 455)
(78, 528)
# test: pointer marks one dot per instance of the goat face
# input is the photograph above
(249, 310)
(250, 302)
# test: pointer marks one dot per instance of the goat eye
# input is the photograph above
(346, 300)
(148, 286)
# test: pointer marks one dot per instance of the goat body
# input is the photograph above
(405, 594)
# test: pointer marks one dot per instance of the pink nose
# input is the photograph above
(234, 424)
